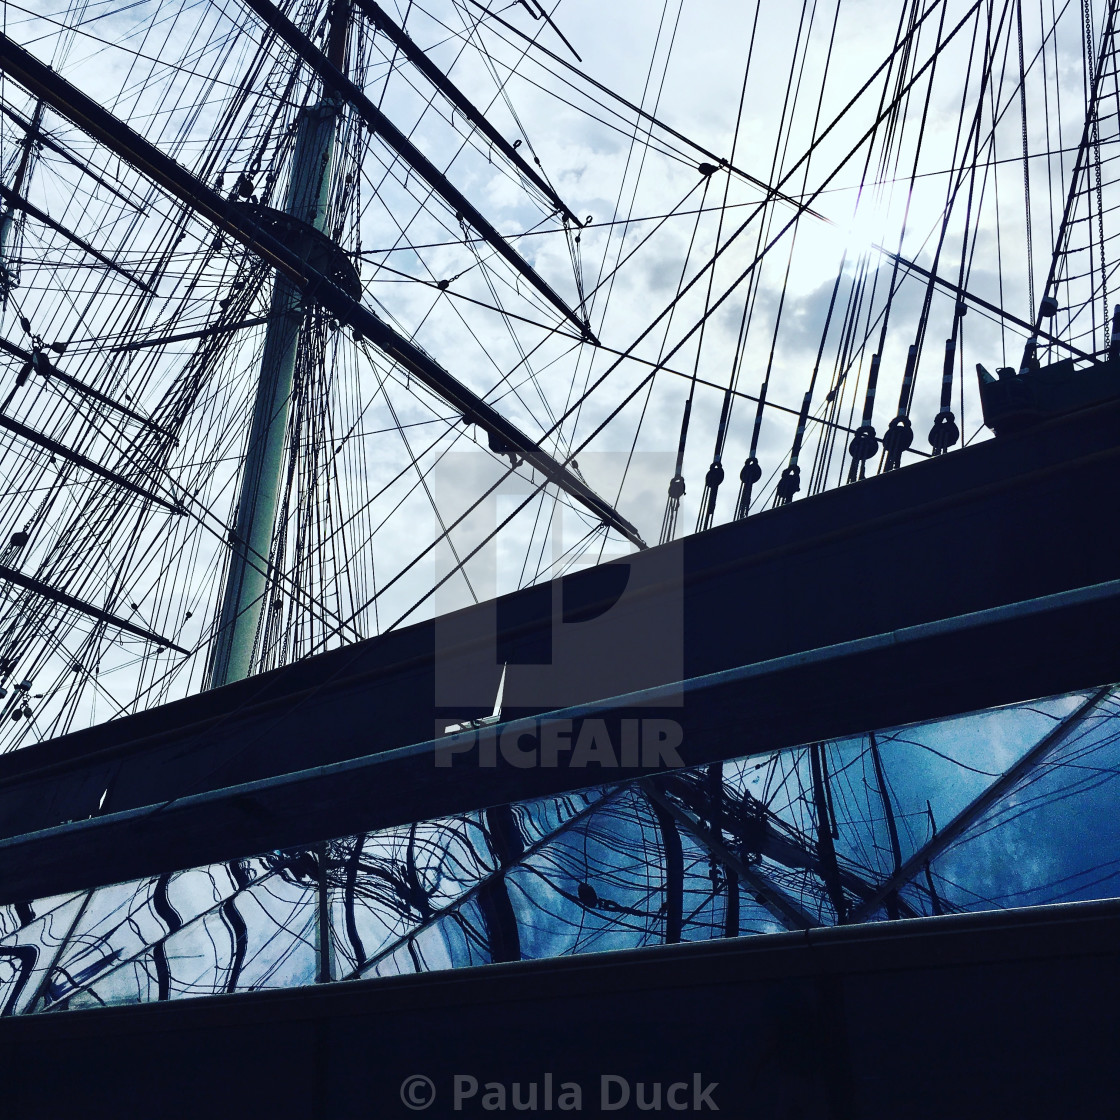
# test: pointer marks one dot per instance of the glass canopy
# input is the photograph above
(1010, 807)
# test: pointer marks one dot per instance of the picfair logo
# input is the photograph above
(567, 744)
(555, 621)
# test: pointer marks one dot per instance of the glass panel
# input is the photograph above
(797, 838)
(1055, 837)
(27, 954)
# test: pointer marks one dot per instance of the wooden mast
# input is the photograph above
(251, 540)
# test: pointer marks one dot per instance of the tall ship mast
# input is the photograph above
(746, 399)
